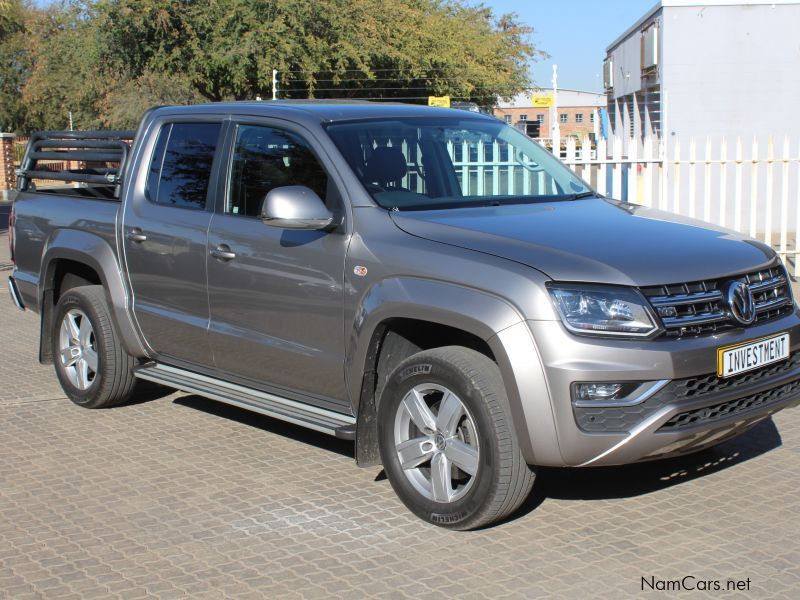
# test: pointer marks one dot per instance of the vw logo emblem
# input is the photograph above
(741, 305)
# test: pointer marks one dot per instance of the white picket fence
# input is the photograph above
(751, 187)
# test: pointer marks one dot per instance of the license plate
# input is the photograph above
(747, 356)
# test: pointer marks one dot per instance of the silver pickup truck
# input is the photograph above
(427, 282)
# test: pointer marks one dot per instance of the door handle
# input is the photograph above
(136, 235)
(223, 253)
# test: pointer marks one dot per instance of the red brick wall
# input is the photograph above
(7, 177)
(571, 127)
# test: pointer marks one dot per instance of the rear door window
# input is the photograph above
(180, 169)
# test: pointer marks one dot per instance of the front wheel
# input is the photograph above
(447, 442)
(92, 366)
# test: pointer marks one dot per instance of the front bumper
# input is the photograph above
(692, 411)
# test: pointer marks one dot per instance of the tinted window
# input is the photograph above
(265, 158)
(181, 165)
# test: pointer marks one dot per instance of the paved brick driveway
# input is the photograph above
(182, 497)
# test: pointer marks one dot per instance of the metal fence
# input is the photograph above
(745, 185)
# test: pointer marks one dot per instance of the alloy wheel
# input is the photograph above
(78, 349)
(436, 442)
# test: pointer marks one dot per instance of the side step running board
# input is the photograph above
(320, 419)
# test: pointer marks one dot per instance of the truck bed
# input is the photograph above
(42, 215)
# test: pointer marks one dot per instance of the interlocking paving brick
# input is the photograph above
(182, 497)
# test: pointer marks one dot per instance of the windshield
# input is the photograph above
(418, 164)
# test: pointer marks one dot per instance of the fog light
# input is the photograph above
(598, 391)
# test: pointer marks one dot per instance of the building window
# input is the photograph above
(649, 49)
(562, 118)
(523, 117)
(608, 74)
(591, 117)
(507, 118)
(540, 118)
(579, 117)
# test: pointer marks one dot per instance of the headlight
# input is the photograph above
(603, 310)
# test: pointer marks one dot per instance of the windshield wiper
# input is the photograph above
(581, 195)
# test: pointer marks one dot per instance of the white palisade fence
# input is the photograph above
(751, 185)
(747, 185)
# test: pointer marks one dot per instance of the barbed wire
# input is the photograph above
(386, 98)
(393, 70)
(399, 89)
(372, 79)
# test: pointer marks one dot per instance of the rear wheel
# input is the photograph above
(447, 443)
(91, 365)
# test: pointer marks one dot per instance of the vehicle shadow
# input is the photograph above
(590, 483)
(147, 391)
(627, 481)
(268, 424)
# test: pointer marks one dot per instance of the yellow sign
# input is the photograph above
(542, 100)
(443, 101)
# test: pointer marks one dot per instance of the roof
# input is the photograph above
(325, 110)
(685, 3)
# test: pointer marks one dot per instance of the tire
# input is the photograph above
(93, 368)
(436, 483)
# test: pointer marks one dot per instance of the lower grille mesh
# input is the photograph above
(710, 414)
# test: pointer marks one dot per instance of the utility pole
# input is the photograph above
(555, 129)
(274, 84)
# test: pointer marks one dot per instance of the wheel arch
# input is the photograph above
(74, 257)
(448, 314)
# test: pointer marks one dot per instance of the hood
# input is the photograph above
(594, 240)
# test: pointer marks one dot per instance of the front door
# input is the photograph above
(165, 228)
(275, 295)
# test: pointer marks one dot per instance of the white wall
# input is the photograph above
(731, 70)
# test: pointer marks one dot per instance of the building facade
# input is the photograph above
(575, 110)
(706, 69)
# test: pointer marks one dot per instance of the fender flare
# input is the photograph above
(468, 309)
(95, 252)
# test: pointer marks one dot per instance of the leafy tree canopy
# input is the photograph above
(108, 60)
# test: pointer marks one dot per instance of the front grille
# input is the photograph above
(709, 414)
(698, 308)
(599, 419)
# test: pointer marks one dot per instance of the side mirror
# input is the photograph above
(295, 207)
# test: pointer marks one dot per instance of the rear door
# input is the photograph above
(276, 297)
(165, 228)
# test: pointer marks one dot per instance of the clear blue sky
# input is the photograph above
(575, 34)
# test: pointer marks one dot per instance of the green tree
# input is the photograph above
(67, 74)
(108, 60)
(15, 63)
(354, 48)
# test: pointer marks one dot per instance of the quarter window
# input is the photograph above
(265, 158)
(181, 165)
